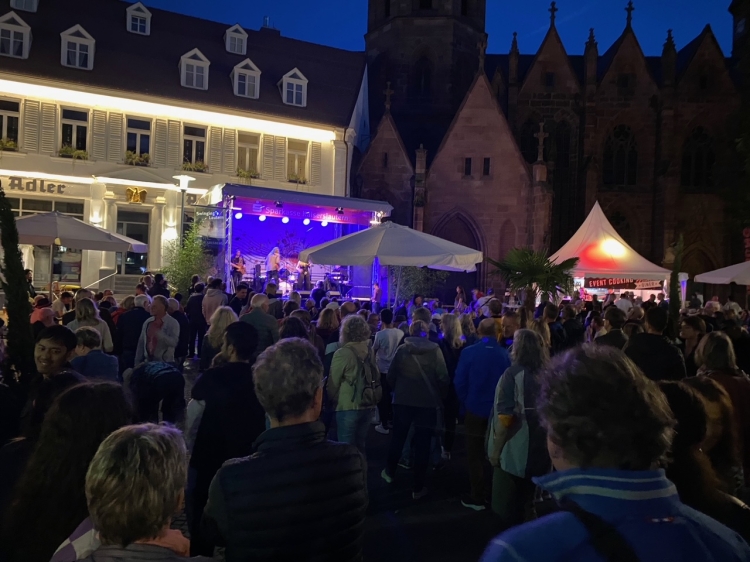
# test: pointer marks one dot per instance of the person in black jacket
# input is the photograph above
(198, 325)
(575, 333)
(181, 350)
(231, 421)
(558, 335)
(159, 287)
(653, 353)
(299, 497)
(614, 320)
(129, 326)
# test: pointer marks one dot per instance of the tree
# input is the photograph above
(532, 272)
(185, 259)
(19, 363)
(675, 302)
(416, 280)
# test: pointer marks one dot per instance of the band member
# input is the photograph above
(377, 296)
(273, 265)
(238, 268)
(304, 283)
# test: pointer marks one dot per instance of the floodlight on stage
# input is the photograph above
(262, 218)
(285, 220)
(306, 222)
(238, 216)
(340, 210)
(324, 223)
(279, 205)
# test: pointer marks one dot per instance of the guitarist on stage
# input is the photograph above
(273, 265)
(238, 268)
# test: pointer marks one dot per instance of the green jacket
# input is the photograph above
(343, 386)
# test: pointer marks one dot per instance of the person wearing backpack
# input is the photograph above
(353, 384)
(419, 378)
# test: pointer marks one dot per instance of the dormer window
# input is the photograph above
(294, 88)
(194, 70)
(25, 5)
(138, 19)
(15, 36)
(77, 48)
(236, 40)
(246, 79)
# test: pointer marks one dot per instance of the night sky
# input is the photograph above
(342, 23)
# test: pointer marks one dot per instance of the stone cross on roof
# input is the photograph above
(541, 135)
(388, 93)
(553, 9)
(630, 9)
(482, 46)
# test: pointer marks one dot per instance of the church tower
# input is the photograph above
(740, 10)
(427, 49)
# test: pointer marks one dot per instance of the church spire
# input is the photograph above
(553, 9)
(513, 60)
(592, 40)
(514, 43)
(630, 9)
(388, 93)
(482, 46)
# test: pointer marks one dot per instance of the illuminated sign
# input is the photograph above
(621, 283)
(20, 184)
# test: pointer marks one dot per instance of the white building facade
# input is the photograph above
(80, 136)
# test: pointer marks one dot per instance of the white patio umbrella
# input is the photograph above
(51, 229)
(394, 244)
(738, 273)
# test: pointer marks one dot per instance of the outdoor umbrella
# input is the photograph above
(738, 273)
(50, 229)
(394, 244)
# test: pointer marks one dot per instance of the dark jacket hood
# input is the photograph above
(419, 346)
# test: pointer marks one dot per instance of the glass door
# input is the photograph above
(135, 225)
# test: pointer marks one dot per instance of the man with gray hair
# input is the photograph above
(268, 506)
(128, 332)
(134, 486)
(265, 324)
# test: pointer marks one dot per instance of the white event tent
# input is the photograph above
(602, 253)
(738, 273)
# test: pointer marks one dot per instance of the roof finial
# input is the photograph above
(482, 46)
(388, 93)
(514, 44)
(670, 39)
(630, 9)
(541, 136)
(553, 10)
(592, 39)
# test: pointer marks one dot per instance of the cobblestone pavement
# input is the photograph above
(398, 529)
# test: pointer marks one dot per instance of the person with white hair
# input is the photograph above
(129, 326)
(159, 335)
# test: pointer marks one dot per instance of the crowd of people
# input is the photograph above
(591, 430)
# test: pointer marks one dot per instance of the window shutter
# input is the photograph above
(116, 150)
(230, 152)
(267, 171)
(31, 126)
(159, 148)
(98, 134)
(279, 159)
(315, 162)
(215, 146)
(173, 145)
(48, 143)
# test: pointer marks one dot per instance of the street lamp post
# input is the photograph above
(184, 183)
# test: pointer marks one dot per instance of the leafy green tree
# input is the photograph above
(532, 272)
(19, 365)
(416, 280)
(185, 258)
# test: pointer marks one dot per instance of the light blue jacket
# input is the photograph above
(166, 342)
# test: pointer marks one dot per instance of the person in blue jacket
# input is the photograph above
(479, 368)
(609, 429)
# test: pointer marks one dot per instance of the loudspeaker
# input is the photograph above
(330, 294)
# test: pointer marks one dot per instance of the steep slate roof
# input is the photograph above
(133, 63)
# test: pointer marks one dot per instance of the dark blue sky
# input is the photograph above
(342, 23)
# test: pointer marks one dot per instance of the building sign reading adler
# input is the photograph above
(42, 186)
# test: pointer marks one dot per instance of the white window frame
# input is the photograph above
(248, 70)
(247, 147)
(14, 26)
(239, 36)
(75, 123)
(5, 114)
(78, 36)
(139, 133)
(196, 140)
(189, 65)
(25, 5)
(140, 11)
(295, 81)
(292, 158)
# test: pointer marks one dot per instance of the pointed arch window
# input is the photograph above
(422, 79)
(698, 159)
(620, 159)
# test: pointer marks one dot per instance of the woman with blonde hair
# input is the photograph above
(451, 344)
(468, 329)
(540, 327)
(221, 318)
(88, 315)
(127, 304)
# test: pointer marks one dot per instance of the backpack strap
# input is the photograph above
(604, 537)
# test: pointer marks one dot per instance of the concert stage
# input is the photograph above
(254, 220)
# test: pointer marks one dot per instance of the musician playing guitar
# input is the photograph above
(238, 268)
(304, 276)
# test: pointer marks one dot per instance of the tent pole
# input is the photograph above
(51, 269)
(388, 279)
(398, 286)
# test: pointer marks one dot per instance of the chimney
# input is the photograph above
(266, 21)
(267, 27)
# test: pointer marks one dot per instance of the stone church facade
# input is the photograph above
(457, 149)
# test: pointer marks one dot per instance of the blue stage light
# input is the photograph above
(306, 222)
(238, 216)
(285, 220)
(324, 223)
(262, 218)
